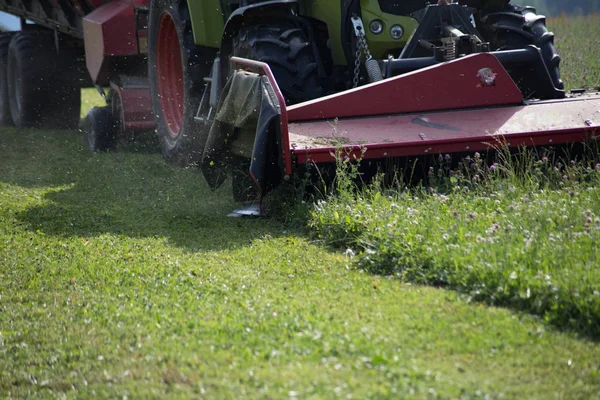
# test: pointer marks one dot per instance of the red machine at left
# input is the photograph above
(64, 46)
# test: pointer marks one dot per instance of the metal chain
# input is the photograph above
(363, 42)
(360, 48)
(357, 66)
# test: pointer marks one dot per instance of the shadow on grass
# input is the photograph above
(133, 194)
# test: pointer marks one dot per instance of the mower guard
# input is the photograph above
(468, 104)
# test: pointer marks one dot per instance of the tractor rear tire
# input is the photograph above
(515, 27)
(5, 117)
(44, 89)
(289, 54)
(177, 68)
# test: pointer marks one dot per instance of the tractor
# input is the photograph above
(317, 48)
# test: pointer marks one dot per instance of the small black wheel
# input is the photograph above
(43, 86)
(5, 117)
(289, 54)
(177, 68)
(515, 27)
(99, 129)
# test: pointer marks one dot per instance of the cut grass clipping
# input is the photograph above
(523, 232)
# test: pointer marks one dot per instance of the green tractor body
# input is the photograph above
(208, 19)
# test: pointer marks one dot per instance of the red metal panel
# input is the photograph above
(136, 108)
(108, 31)
(543, 123)
(456, 84)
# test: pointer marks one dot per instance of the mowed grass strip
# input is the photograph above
(120, 275)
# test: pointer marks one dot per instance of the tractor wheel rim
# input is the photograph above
(170, 75)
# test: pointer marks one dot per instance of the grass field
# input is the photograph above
(120, 276)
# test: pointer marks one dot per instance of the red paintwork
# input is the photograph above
(430, 132)
(542, 123)
(452, 85)
(170, 75)
(108, 31)
(136, 108)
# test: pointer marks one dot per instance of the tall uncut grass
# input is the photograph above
(523, 232)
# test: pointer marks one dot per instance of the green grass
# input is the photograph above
(121, 276)
(528, 240)
(577, 41)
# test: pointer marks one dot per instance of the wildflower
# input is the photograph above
(476, 178)
(588, 213)
(565, 177)
(588, 220)
(493, 167)
(545, 159)
(571, 193)
(572, 162)
(477, 155)
(471, 215)
(451, 172)
(511, 207)
(466, 189)
(598, 166)
(447, 157)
